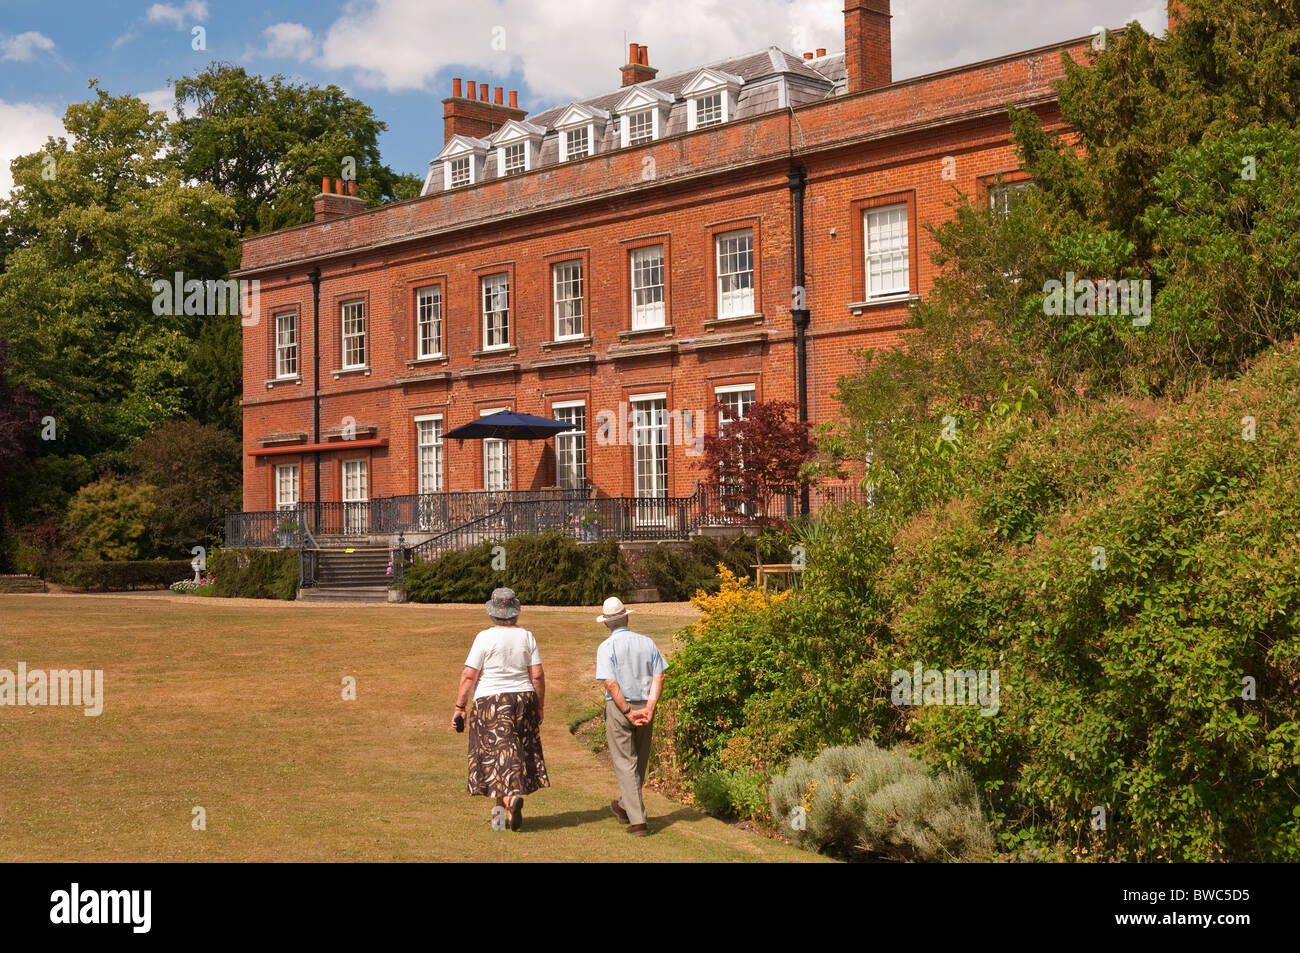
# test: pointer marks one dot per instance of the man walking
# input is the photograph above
(633, 672)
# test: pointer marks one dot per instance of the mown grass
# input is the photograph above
(236, 706)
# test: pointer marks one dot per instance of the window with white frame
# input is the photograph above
(1001, 196)
(571, 445)
(736, 274)
(354, 334)
(428, 433)
(496, 458)
(641, 127)
(888, 269)
(648, 287)
(286, 486)
(708, 110)
(496, 311)
(286, 344)
(568, 299)
(736, 399)
(577, 143)
(428, 321)
(514, 158)
(460, 172)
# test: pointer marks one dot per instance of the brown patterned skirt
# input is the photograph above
(505, 746)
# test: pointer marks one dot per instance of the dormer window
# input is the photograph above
(580, 129)
(515, 156)
(643, 115)
(462, 161)
(460, 172)
(711, 98)
(577, 143)
(641, 127)
(708, 110)
(518, 145)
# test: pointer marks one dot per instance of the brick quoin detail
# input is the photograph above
(879, 143)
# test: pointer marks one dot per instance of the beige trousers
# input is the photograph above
(629, 749)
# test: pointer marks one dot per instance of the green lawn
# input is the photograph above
(235, 706)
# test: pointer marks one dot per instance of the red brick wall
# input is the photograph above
(917, 142)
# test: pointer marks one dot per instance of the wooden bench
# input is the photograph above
(775, 569)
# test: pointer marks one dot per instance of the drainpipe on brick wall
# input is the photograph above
(800, 314)
(314, 277)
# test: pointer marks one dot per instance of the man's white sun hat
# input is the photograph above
(613, 610)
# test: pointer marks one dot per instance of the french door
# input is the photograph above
(356, 507)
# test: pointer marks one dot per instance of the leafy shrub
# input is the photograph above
(550, 569)
(868, 802)
(121, 575)
(678, 572)
(110, 519)
(739, 794)
(254, 573)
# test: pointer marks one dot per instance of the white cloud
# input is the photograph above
(26, 126)
(288, 41)
(24, 46)
(562, 51)
(573, 49)
(178, 16)
(163, 100)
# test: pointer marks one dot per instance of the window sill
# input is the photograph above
(858, 307)
(489, 369)
(566, 342)
(663, 330)
(274, 381)
(424, 361)
(712, 324)
(339, 372)
(505, 350)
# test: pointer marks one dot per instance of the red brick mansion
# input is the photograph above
(622, 263)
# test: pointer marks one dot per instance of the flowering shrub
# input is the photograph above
(190, 586)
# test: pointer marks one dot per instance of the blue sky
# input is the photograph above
(399, 56)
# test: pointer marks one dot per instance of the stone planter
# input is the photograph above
(396, 595)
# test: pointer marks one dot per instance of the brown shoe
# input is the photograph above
(638, 830)
(617, 808)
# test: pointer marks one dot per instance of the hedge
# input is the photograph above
(122, 575)
(550, 569)
(254, 573)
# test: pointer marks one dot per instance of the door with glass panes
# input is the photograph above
(356, 507)
(650, 459)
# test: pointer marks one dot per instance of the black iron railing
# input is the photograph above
(465, 518)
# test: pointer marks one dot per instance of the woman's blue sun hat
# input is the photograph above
(504, 604)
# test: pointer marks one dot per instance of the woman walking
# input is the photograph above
(503, 673)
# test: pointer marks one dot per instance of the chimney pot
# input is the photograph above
(473, 90)
(483, 90)
(807, 56)
(497, 95)
(633, 53)
(514, 99)
(455, 87)
(325, 185)
(338, 186)
(821, 51)
(352, 187)
(644, 55)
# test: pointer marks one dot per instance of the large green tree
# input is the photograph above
(267, 143)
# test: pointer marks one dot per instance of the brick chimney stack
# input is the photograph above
(638, 69)
(478, 113)
(867, 56)
(336, 199)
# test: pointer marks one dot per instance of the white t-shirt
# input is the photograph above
(502, 654)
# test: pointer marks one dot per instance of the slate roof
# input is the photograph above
(773, 79)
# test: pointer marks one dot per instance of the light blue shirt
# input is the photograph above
(632, 659)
